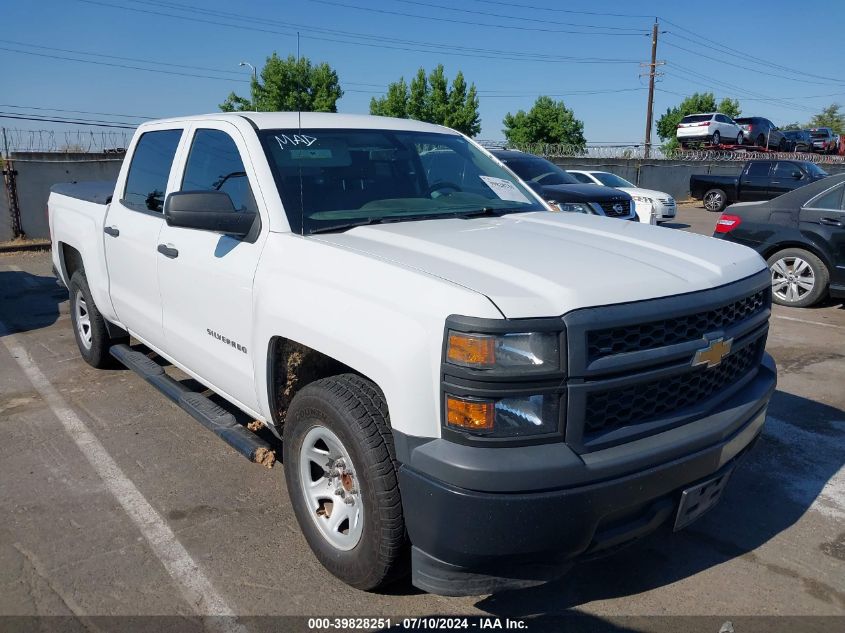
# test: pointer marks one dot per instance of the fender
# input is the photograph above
(380, 318)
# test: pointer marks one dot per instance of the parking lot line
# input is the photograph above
(194, 585)
(786, 318)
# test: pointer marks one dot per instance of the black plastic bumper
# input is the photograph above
(517, 524)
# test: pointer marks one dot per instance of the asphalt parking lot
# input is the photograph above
(115, 502)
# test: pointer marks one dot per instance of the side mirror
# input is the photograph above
(207, 211)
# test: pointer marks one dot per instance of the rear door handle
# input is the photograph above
(167, 251)
(830, 221)
(111, 230)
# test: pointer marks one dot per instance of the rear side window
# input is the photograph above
(830, 200)
(149, 170)
(214, 164)
(758, 170)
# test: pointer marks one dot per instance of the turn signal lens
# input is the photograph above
(470, 415)
(471, 350)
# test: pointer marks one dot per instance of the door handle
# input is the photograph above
(167, 251)
(830, 221)
(111, 230)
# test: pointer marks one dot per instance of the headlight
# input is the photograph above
(532, 350)
(505, 417)
(574, 207)
(643, 199)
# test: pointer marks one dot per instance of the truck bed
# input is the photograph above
(98, 191)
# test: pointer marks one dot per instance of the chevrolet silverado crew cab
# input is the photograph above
(468, 386)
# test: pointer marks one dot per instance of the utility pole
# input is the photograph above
(652, 73)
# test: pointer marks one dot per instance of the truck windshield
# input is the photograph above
(334, 179)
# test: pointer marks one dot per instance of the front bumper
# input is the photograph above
(486, 519)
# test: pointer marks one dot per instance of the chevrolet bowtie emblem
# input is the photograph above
(713, 354)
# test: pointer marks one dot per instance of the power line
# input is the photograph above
(523, 19)
(573, 11)
(511, 27)
(122, 116)
(707, 43)
(115, 124)
(754, 70)
(394, 43)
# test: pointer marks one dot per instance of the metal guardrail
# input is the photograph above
(637, 152)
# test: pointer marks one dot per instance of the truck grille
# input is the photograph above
(650, 400)
(630, 371)
(608, 208)
(643, 336)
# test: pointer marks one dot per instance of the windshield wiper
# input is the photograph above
(485, 211)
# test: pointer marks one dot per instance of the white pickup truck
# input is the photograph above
(467, 385)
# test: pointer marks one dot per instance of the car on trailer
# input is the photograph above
(710, 128)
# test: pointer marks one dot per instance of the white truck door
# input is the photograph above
(132, 226)
(206, 290)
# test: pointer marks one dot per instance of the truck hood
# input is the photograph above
(582, 193)
(546, 264)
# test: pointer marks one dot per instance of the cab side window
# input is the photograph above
(759, 170)
(214, 164)
(787, 171)
(146, 182)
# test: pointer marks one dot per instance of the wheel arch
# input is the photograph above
(793, 243)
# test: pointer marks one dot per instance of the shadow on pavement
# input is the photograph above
(29, 302)
(777, 483)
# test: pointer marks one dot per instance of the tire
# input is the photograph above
(716, 139)
(761, 141)
(740, 138)
(799, 278)
(782, 145)
(89, 327)
(347, 416)
(715, 200)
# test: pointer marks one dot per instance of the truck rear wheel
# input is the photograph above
(340, 468)
(89, 327)
(715, 200)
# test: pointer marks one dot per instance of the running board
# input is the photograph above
(212, 416)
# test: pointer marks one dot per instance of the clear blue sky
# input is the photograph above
(791, 51)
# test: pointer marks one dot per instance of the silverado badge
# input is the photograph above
(713, 354)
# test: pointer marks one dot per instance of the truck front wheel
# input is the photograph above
(340, 468)
(89, 328)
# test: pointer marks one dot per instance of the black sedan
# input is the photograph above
(565, 193)
(802, 236)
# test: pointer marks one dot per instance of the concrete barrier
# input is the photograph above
(38, 171)
(669, 176)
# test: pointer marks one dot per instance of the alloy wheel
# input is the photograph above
(792, 279)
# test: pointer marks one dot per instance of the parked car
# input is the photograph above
(468, 387)
(761, 132)
(825, 140)
(651, 206)
(712, 127)
(798, 141)
(759, 180)
(802, 236)
(563, 191)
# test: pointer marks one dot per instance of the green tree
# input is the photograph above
(667, 124)
(830, 117)
(548, 121)
(430, 98)
(288, 85)
(792, 126)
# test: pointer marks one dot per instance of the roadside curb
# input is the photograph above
(30, 245)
